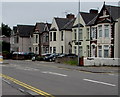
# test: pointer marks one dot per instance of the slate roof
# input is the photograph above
(61, 22)
(69, 25)
(25, 30)
(87, 17)
(114, 11)
(41, 27)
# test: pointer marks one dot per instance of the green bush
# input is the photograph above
(72, 62)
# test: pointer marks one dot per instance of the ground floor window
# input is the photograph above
(75, 49)
(50, 49)
(62, 49)
(100, 51)
(106, 51)
(54, 49)
(36, 49)
(47, 50)
(80, 51)
(88, 50)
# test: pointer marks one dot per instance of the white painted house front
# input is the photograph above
(82, 40)
(60, 35)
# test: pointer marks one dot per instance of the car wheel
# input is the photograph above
(50, 60)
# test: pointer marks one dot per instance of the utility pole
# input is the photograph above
(78, 31)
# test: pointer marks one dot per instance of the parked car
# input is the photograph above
(1, 58)
(62, 55)
(51, 57)
(71, 55)
(67, 55)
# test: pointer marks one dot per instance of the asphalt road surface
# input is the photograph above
(44, 78)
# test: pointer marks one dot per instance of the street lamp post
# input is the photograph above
(78, 32)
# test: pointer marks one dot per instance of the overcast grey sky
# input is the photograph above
(14, 13)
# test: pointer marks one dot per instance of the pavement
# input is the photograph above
(92, 69)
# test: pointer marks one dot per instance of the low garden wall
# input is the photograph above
(101, 61)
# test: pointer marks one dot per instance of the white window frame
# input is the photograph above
(75, 34)
(100, 34)
(93, 34)
(81, 51)
(75, 49)
(88, 33)
(106, 47)
(62, 36)
(80, 34)
(99, 50)
(106, 28)
(54, 49)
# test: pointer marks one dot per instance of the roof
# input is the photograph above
(87, 17)
(114, 11)
(41, 27)
(61, 22)
(92, 21)
(69, 25)
(25, 30)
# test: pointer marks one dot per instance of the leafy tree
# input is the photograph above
(6, 30)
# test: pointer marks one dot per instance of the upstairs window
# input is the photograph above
(88, 34)
(75, 35)
(54, 36)
(47, 38)
(50, 36)
(100, 31)
(61, 35)
(36, 39)
(80, 34)
(106, 31)
(93, 34)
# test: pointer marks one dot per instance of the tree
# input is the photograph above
(6, 30)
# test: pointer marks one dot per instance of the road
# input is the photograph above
(45, 78)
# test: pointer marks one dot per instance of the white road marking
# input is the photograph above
(99, 82)
(111, 74)
(47, 72)
(6, 81)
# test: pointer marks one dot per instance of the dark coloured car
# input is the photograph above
(71, 55)
(62, 55)
(42, 57)
(51, 58)
(67, 55)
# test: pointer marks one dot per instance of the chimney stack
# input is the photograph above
(93, 11)
(70, 16)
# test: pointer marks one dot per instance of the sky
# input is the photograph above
(29, 13)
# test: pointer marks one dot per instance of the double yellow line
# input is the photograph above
(27, 86)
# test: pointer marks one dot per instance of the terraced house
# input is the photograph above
(82, 40)
(40, 38)
(60, 34)
(104, 32)
(98, 35)
(20, 38)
